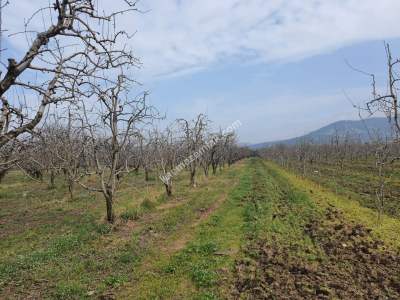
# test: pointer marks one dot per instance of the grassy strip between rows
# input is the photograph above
(275, 217)
(204, 269)
(195, 271)
(89, 260)
(386, 229)
(277, 212)
(359, 180)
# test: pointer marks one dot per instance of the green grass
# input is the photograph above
(135, 213)
(386, 228)
(69, 290)
(279, 212)
(191, 271)
(64, 248)
(204, 268)
(184, 247)
(358, 181)
(212, 250)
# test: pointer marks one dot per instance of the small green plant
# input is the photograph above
(131, 214)
(202, 276)
(162, 198)
(214, 221)
(147, 205)
(127, 257)
(115, 280)
(104, 228)
(170, 269)
(65, 242)
(207, 248)
(207, 296)
(69, 291)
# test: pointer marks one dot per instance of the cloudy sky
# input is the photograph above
(278, 66)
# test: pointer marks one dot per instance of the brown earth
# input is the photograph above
(353, 265)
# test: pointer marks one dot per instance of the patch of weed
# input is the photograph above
(147, 205)
(115, 280)
(203, 275)
(69, 291)
(131, 214)
(127, 257)
(103, 228)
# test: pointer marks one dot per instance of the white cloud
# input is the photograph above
(180, 35)
(177, 36)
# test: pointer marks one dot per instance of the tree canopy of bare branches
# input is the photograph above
(79, 42)
(110, 127)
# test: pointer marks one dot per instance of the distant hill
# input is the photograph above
(361, 129)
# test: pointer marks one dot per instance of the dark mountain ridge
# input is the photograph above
(363, 130)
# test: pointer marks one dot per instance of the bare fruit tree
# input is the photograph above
(112, 124)
(78, 38)
(166, 149)
(9, 156)
(146, 154)
(385, 102)
(68, 147)
(219, 152)
(194, 135)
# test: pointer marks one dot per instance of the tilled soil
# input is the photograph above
(353, 265)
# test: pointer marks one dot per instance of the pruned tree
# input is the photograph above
(166, 149)
(146, 154)
(118, 116)
(387, 102)
(302, 152)
(9, 157)
(64, 147)
(71, 153)
(221, 150)
(213, 153)
(194, 134)
(230, 149)
(79, 38)
(383, 167)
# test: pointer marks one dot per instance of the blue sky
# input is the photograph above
(278, 66)
(276, 100)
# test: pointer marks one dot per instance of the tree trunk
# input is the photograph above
(168, 189)
(52, 179)
(3, 174)
(193, 177)
(205, 171)
(110, 210)
(214, 168)
(136, 170)
(146, 174)
(71, 189)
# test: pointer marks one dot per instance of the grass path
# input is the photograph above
(184, 266)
